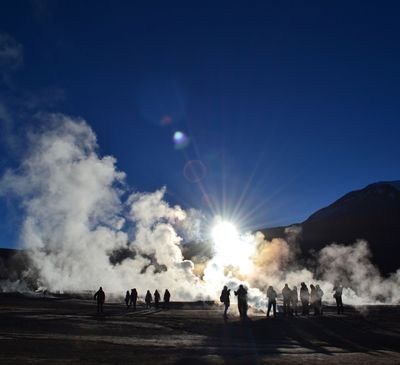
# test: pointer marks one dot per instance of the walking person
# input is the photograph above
(320, 294)
(294, 299)
(167, 297)
(314, 299)
(127, 299)
(148, 299)
(305, 298)
(286, 293)
(241, 293)
(225, 298)
(157, 297)
(100, 297)
(338, 290)
(133, 298)
(271, 295)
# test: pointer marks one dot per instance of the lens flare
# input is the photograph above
(165, 120)
(181, 140)
(194, 171)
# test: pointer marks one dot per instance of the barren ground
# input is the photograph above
(68, 331)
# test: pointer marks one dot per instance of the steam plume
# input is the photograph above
(84, 228)
(74, 218)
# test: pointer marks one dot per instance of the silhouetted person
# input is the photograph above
(133, 298)
(167, 297)
(286, 293)
(271, 295)
(100, 297)
(320, 294)
(314, 299)
(148, 299)
(225, 298)
(338, 289)
(157, 297)
(305, 299)
(127, 298)
(294, 299)
(242, 301)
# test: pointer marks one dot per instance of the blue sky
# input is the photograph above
(288, 105)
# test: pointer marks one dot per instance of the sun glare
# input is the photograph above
(230, 248)
(224, 233)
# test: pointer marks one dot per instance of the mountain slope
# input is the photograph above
(372, 213)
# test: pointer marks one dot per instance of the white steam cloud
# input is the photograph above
(75, 217)
(83, 228)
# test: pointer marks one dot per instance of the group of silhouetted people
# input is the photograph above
(131, 299)
(241, 294)
(310, 299)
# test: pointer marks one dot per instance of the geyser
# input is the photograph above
(78, 214)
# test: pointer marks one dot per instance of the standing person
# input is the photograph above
(127, 298)
(225, 298)
(305, 298)
(242, 301)
(133, 298)
(294, 299)
(148, 299)
(157, 297)
(314, 299)
(100, 297)
(271, 295)
(338, 289)
(167, 297)
(286, 293)
(320, 294)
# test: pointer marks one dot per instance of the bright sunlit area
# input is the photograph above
(231, 247)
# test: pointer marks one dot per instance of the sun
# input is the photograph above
(224, 233)
(230, 247)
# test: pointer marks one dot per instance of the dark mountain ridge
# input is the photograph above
(371, 213)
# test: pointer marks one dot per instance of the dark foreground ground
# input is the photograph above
(68, 331)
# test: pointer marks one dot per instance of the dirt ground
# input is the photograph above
(68, 331)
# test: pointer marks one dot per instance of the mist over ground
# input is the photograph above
(83, 227)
